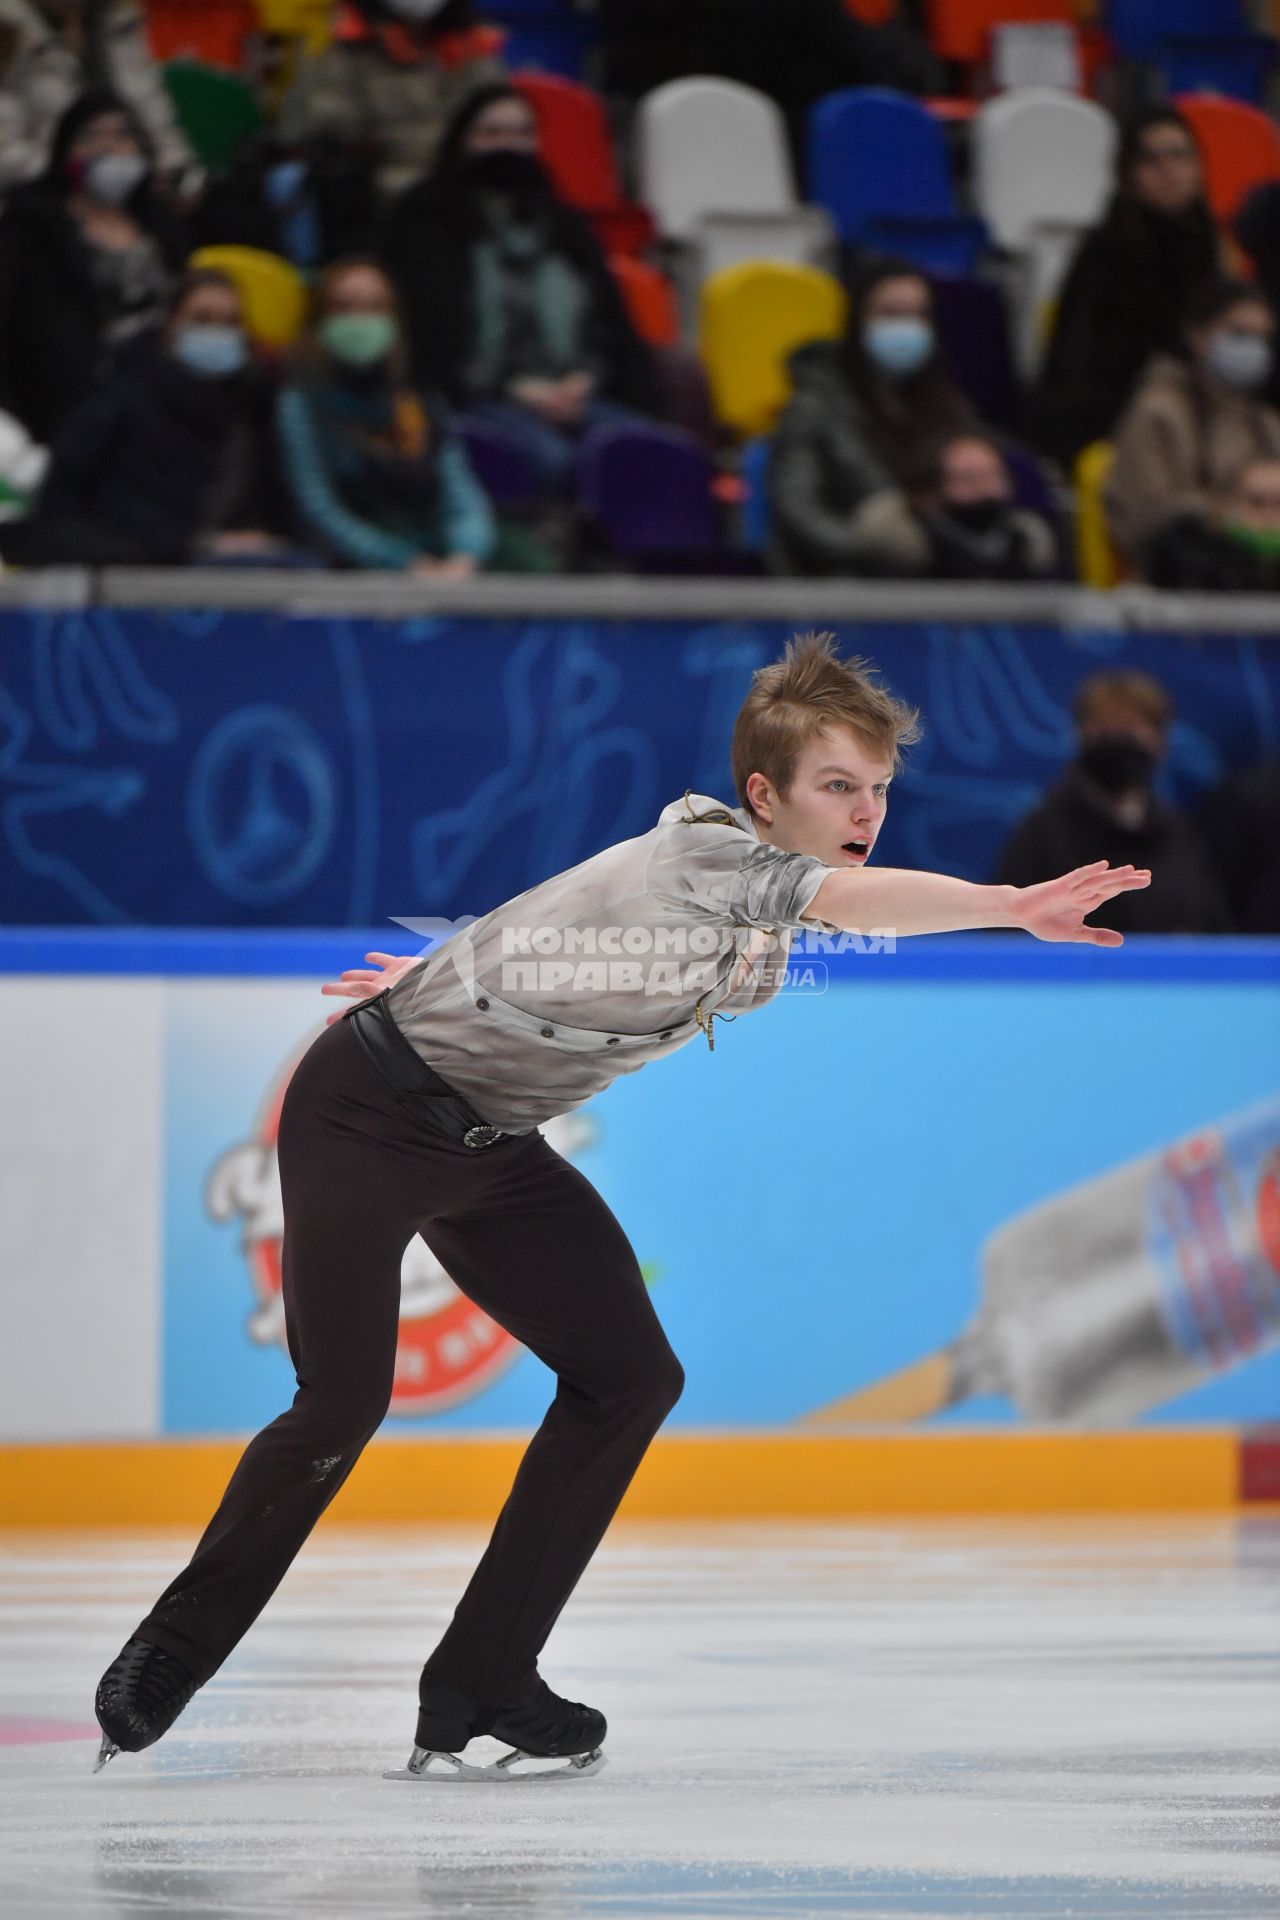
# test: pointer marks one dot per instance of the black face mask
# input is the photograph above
(504, 170)
(976, 516)
(1117, 763)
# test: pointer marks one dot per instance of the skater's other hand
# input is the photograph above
(361, 983)
(1055, 909)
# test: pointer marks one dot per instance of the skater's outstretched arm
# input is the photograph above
(899, 900)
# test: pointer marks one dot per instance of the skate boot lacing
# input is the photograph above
(141, 1694)
(546, 1725)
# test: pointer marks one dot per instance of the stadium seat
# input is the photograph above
(751, 318)
(212, 31)
(308, 21)
(1195, 44)
(1241, 147)
(1043, 164)
(215, 109)
(961, 29)
(1096, 559)
(710, 146)
(499, 463)
(803, 234)
(1042, 53)
(973, 331)
(648, 488)
(755, 497)
(650, 298)
(878, 163)
(274, 293)
(577, 143)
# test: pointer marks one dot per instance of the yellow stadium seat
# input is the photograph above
(752, 316)
(274, 292)
(1096, 558)
(310, 21)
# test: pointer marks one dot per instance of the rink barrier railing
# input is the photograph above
(805, 603)
(721, 1476)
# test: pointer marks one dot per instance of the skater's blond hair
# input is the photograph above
(811, 687)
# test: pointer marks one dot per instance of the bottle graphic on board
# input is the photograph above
(1119, 1294)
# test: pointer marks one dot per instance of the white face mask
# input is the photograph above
(417, 9)
(1240, 359)
(112, 178)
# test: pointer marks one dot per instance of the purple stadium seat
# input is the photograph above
(500, 464)
(648, 488)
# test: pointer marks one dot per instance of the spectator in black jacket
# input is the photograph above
(1125, 297)
(1241, 820)
(512, 310)
(168, 462)
(88, 254)
(1105, 808)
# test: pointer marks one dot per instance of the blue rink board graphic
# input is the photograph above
(810, 1201)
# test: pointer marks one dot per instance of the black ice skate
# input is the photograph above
(542, 1727)
(139, 1697)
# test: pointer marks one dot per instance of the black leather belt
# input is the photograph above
(440, 1105)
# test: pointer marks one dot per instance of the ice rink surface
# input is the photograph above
(1014, 1718)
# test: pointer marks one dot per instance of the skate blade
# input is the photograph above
(107, 1751)
(449, 1767)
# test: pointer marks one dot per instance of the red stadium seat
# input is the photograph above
(1241, 147)
(650, 298)
(961, 29)
(212, 31)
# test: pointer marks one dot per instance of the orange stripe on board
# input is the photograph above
(707, 1475)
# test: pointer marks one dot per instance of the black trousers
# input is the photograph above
(525, 1236)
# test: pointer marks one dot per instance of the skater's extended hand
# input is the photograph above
(1055, 909)
(360, 983)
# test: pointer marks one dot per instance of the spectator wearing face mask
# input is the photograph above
(169, 461)
(865, 417)
(377, 478)
(1105, 807)
(1126, 294)
(87, 259)
(1196, 421)
(511, 307)
(963, 525)
(1234, 549)
(393, 77)
(58, 50)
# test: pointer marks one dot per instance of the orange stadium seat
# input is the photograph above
(1241, 147)
(212, 31)
(961, 29)
(650, 299)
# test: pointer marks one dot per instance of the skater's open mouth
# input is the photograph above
(859, 848)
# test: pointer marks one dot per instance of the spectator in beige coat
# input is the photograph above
(1195, 422)
(52, 51)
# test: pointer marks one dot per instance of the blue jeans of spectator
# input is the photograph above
(552, 451)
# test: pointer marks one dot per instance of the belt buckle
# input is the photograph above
(483, 1136)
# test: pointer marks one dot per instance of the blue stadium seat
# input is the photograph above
(878, 163)
(754, 473)
(1198, 45)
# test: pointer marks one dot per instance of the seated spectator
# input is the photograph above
(1126, 294)
(865, 415)
(87, 259)
(1105, 808)
(58, 49)
(1195, 421)
(962, 526)
(1233, 549)
(511, 308)
(1257, 228)
(377, 478)
(391, 80)
(1241, 822)
(168, 463)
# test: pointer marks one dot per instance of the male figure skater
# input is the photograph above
(417, 1111)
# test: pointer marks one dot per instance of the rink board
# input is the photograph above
(954, 1083)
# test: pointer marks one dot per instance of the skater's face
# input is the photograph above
(837, 802)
